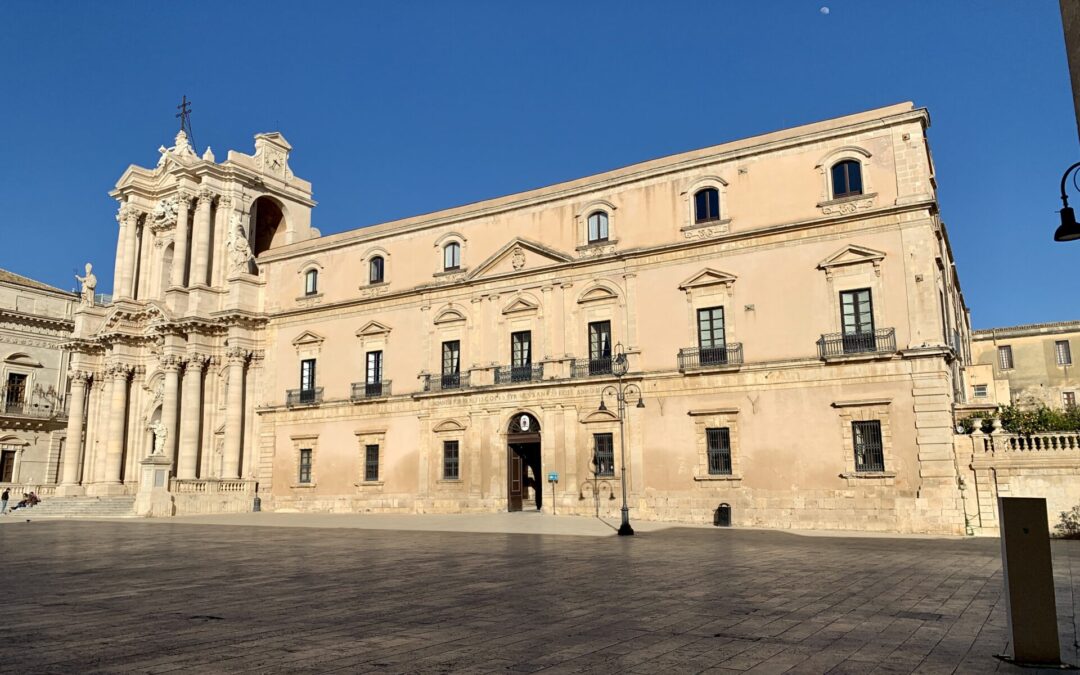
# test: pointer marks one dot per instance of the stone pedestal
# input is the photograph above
(154, 499)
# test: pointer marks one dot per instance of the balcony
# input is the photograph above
(519, 374)
(299, 397)
(363, 391)
(447, 382)
(840, 345)
(701, 358)
(591, 367)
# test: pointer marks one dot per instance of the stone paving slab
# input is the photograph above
(172, 596)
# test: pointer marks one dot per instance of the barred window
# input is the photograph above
(604, 454)
(1064, 354)
(1005, 359)
(1068, 399)
(869, 455)
(305, 466)
(371, 463)
(718, 443)
(451, 461)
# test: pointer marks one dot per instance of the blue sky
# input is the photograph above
(401, 108)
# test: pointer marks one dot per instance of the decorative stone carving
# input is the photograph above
(128, 213)
(83, 376)
(208, 155)
(237, 355)
(181, 150)
(170, 363)
(89, 283)
(206, 195)
(596, 251)
(518, 258)
(161, 433)
(118, 371)
(847, 208)
(705, 232)
(237, 247)
(197, 361)
(164, 215)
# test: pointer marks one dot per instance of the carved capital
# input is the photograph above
(206, 196)
(197, 361)
(170, 363)
(80, 377)
(128, 213)
(184, 197)
(225, 201)
(237, 356)
(118, 371)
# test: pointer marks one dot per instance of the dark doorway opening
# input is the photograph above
(524, 484)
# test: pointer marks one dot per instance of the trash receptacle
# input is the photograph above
(723, 516)
(257, 505)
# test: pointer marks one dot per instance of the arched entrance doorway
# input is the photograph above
(525, 488)
(267, 224)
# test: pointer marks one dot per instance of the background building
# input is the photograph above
(1028, 365)
(35, 320)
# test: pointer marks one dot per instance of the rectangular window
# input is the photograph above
(857, 319)
(311, 282)
(711, 335)
(451, 465)
(869, 455)
(599, 347)
(307, 381)
(451, 364)
(305, 466)
(521, 349)
(16, 391)
(980, 391)
(1068, 399)
(1063, 352)
(1005, 359)
(604, 454)
(373, 374)
(718, 442)
(371, 463)
(7, 466)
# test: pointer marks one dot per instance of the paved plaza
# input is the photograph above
(329, 596)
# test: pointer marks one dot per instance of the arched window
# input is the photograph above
(598, 227)
(311, 282)
(452, 256)
(706, 205)
(846, 179)
(375, 270)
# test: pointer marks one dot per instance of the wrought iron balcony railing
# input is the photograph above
(45, 410)
(295, 397)
(692, 358)
(366, 390)
(880, 341)
(446, 382)
(515, 374)
(591, 367)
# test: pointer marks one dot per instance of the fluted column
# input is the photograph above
(234, 413)
(191, 417)
(121, 240)
(171, 365)
(130, 214)
(74, 445)
(114, 450)
(180, 240)
(200, 237)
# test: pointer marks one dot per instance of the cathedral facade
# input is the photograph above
(769, 331)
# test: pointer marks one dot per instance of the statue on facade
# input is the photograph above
(89, 284)
(164, 215)
(237, 247)
(160, 434)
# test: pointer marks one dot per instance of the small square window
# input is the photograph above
(305, 466)
(980, 391)
(451, 461)
(1005, 357)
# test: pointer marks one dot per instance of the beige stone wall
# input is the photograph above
(1036, 376)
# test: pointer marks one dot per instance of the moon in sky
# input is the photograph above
(824, 10)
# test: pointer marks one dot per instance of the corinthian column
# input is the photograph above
(234, 413)
(191, 418)
(201, 237)
(171, 365)
(121, 240)
(180, 247)
(74, 444)
(114, 450)
(130, 214)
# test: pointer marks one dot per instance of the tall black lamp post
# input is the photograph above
(1069, 230)
(621, 392)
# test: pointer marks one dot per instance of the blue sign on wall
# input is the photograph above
(553, 477)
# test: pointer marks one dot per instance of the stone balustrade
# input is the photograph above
(17, 489)
(211, 486)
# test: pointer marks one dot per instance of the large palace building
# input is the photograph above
(783, 313)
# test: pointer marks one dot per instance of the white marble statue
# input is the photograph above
(237, 247)
(160, 434)
(89, 284)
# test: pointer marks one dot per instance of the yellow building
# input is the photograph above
(1028, 365)
(784, 308)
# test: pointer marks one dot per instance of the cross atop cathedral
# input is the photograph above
(185, 118)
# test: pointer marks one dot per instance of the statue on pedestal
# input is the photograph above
(237, 246)
(160, 434)
(89, 283)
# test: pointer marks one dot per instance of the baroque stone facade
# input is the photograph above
(787, 307)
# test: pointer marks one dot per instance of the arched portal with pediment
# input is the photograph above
(524, 485)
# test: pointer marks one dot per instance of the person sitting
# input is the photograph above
(33, 499)
(23, 503)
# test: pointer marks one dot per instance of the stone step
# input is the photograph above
(76, 507)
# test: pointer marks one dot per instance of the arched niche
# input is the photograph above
(268, 225)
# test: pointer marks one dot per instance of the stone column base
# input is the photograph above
(106, 490)
(70, 490)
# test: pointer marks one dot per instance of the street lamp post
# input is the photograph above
(1069, 230)
(619, 366)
